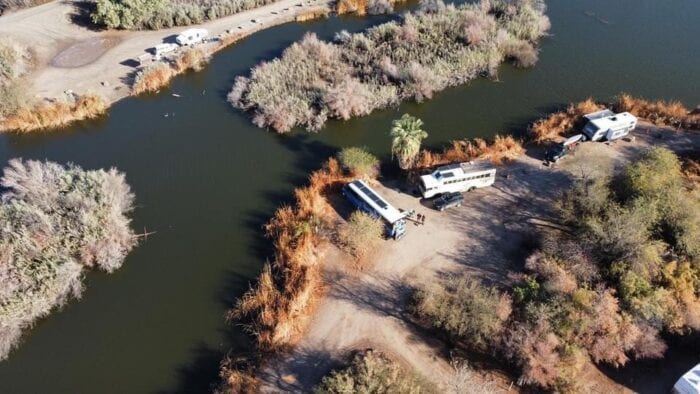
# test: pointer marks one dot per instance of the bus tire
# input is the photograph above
(471, 189)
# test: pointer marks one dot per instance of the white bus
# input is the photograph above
(191, 36)
(608, 125)
(365, 199)
(457, 178)
(689, 383)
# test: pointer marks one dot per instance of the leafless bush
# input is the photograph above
(54, 222)
(361, 234)
(15, 63)
(436, 47)
(9, 5)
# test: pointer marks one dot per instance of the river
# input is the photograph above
(206, 180)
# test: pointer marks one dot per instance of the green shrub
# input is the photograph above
(361, 234)
(465, 309)
(372, 373)
(359, 162)
(54, 222)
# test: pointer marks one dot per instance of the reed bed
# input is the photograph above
(278, 305)
(155, 77)
(659, 112)
(55, 114)
(560, 123)
(501, 150)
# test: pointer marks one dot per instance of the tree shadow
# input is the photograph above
(82, 14)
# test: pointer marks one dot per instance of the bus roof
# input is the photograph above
(374, 200)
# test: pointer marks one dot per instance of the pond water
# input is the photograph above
(206, 180)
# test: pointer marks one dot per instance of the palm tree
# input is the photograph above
(406, 136)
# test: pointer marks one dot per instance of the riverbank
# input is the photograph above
(71, 58)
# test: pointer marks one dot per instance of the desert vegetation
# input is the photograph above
(429, 50)
(363, 7)
(15, 63)
(55, 222)
(19, 111)
(361, 234)
(155, 77)
(159, 14)
(625, 270)
(10, 5)
(372, 372)
(359, 162)
(659, 112)
(500, 150)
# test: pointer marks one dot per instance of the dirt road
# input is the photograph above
(488, 236)
(73, 57)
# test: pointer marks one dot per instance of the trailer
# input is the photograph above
(607, 125)
(689, 383)
(191, 37)
(457, 178)
(162, 49)
(367, 200)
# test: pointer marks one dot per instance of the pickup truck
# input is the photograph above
(448, 200)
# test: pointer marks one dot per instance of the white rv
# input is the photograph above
(608, 125)
(457, 178)
(191, 36)
(688, 383)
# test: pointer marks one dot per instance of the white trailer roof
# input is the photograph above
(613, 121)
(379, 204)
(689, 383)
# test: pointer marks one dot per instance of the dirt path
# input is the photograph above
(487, 237)
(98, 61)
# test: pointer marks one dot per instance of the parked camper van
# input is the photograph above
(457, 178)
(608, 125)
(162, 49)
(365, 199)
(689, 383)
(191, 36)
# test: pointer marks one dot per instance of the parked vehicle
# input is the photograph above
(191, 36)
(162, 49)
(457, 178)
(448, 200)
(608, 125)
(560, 150)
(366, 199)
(689, 383)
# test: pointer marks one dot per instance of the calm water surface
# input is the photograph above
(206, 180)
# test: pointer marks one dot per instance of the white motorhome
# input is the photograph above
(457, 178)
(191, 36)
(608, 125)
(689, 383)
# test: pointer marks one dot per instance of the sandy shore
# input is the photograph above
(70, 57)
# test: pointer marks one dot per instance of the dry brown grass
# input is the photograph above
(314, 13)
(155, 77)
(558, 124)
(279, 305)
(501, 150)
(659, 112)
(56, 114)
(152, 79)
(358, 7)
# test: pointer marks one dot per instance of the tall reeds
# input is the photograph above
(659, 112)
(155, 77)
(560, 123)
(278, 306)
(55, 114)
(501, 150)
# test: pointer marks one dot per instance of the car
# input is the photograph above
(557, 152)
(448, 200)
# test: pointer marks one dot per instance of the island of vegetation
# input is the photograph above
(56, 222)
(436, 47)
